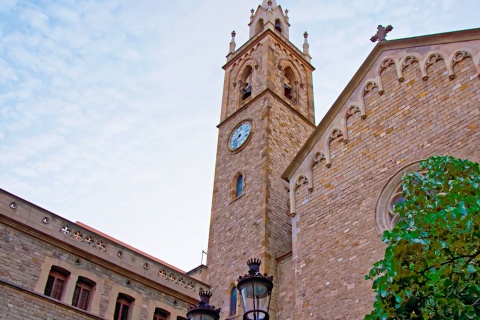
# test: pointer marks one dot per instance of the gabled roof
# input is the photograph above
(440, 38)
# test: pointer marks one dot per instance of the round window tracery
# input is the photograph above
(391, 195)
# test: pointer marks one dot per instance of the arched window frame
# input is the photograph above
(290, 84)
(238, 189)
(56, 282)
(123, 307)
(259, 26)
(245, 84)
(385, 218)
(278, 25)
(82, 295)
(161, 314)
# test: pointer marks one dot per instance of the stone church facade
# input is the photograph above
(309, 200)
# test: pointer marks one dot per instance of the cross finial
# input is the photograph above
(305, 35)
(234, 34)
(381, 33)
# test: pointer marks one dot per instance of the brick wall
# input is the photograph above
(335, 235)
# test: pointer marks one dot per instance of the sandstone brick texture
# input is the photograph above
(335, 239)
(257, 224)
(18, 303)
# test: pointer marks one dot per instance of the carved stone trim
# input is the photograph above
(457, 57)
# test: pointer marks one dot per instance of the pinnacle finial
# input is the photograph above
(306, 46)
(232, 43)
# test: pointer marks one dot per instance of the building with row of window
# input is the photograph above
(66, 270)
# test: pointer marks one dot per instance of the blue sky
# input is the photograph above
(108, 109)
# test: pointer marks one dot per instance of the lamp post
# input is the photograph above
(256, 291)
(203, 311)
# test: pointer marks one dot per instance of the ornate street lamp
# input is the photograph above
(203, 311)
(256, 290)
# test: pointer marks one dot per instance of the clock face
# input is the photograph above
(239, 136)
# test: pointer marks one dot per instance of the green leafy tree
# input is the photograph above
(431, 268)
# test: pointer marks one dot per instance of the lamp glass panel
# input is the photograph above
(255, 296)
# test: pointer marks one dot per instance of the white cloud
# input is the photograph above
(108, 109)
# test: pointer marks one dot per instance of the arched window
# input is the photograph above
(161, 314)
(278, 25)
(390, 196)
(123, 306)
(83, 293)
(289, 84)
(246, 83)
(233, 302)
(239, 186)
(56, 282)
(259, 26)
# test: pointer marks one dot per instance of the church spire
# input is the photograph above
(269, 16)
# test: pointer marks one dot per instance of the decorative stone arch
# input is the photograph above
(371, 84)
(296, 183)
(407, 61)
(249, 62)
(459, 55)
(244, 76)
(476, 61)
(431, 58)
(259, 25)
(383, 217)
(335, 133)
(354, 108)
(386, 62)
(349, 112)
(292, 74)
(317, 158)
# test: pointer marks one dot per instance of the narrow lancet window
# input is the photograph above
(246, 83)
(278, 26)
(239, 185)
(233, 302)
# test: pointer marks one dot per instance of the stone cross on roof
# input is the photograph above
(266, 3)
(381, 33)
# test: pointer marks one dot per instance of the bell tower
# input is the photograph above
(267, 115)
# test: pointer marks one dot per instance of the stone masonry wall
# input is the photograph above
(18, 304)
(284, 283)
(256, 224)
(24, 260)
(335, 235)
